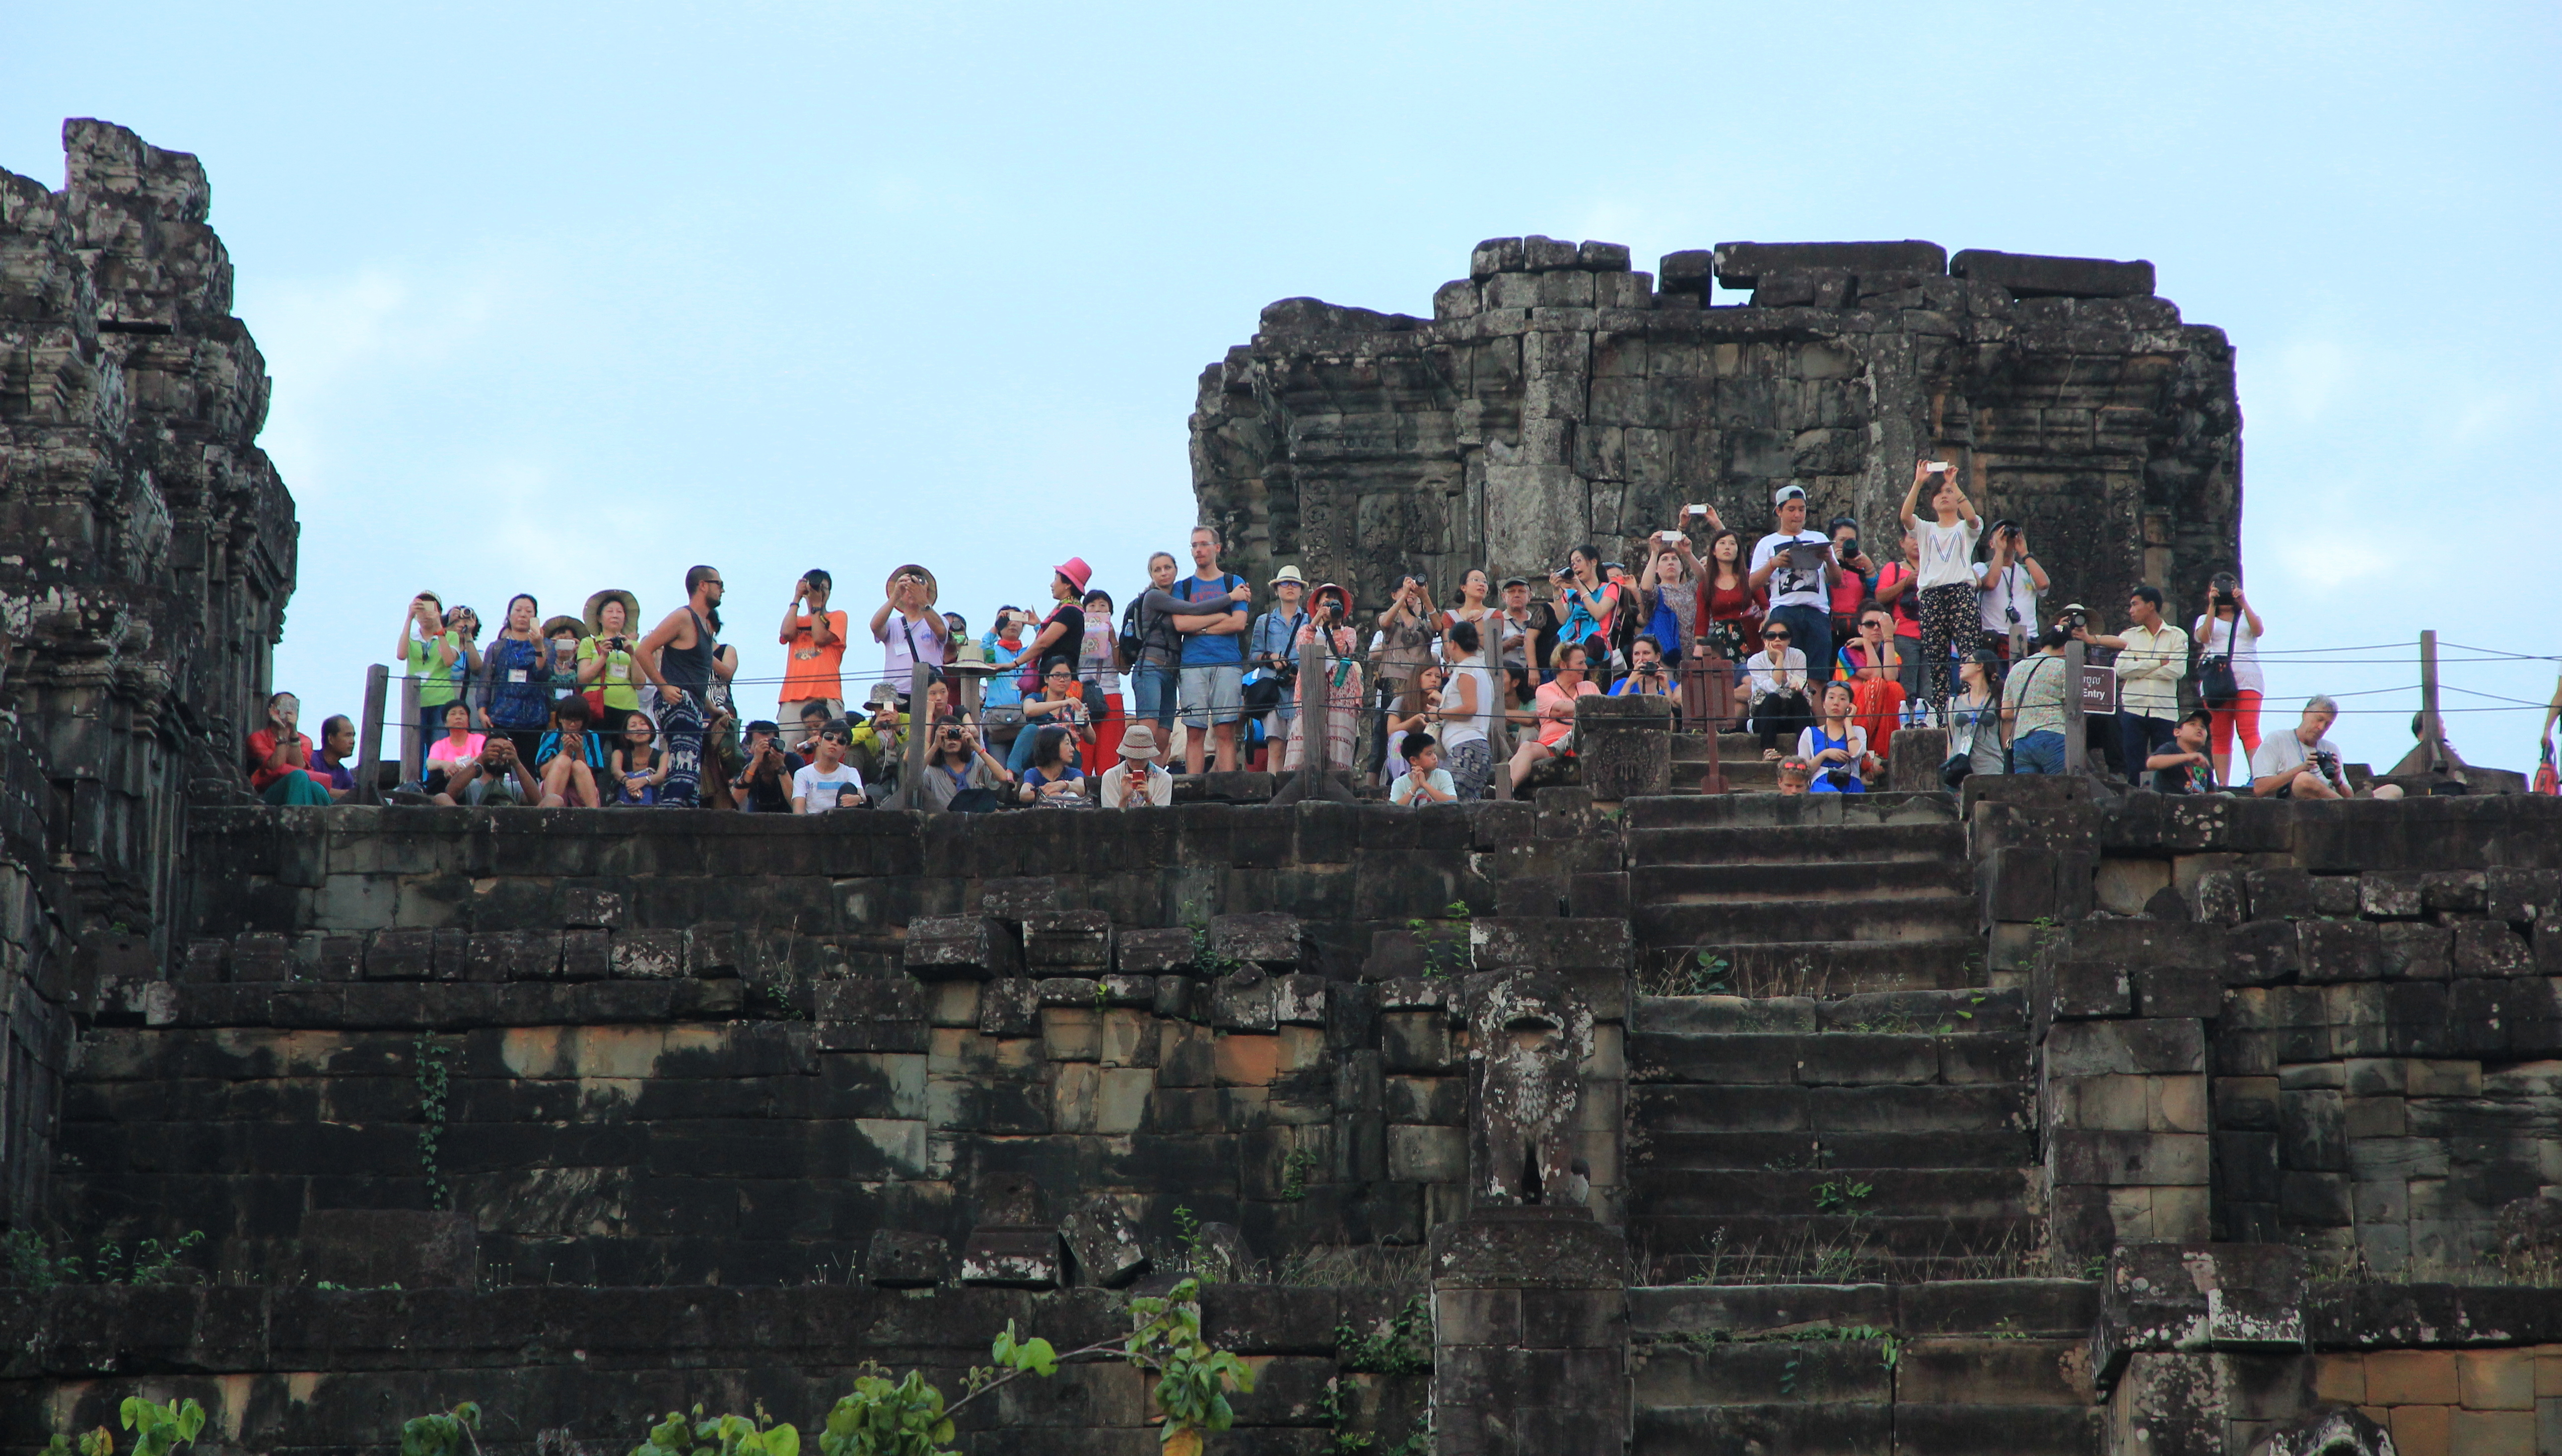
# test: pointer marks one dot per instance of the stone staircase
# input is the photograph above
(1961, 1368)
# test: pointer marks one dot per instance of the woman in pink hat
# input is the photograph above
(1062, 634)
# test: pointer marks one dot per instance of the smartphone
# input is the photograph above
(1697, 510)
(1935, 467)
(1669, 538)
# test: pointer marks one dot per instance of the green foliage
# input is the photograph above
(1402, 1347)
(433, 1077)
(720, 1435)
(32, 1263)
(1443, 955)
(159, 1430)
(445, 1434)
(1187, 1232)
(1192, 1379)
(886, 1418)
(1207, 961)
(1294, 1172)
(1842, 1195)
(99, 1442)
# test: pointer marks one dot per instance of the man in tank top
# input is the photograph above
(677, 656)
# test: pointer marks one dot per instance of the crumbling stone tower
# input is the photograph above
(1555, 397)
(148, 554)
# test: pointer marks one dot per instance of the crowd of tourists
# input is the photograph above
(1810, 641)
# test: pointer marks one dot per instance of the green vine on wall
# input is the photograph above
(434, 1078)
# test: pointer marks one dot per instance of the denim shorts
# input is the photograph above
(1213, 693)
(1152, 690)
(2041, 752)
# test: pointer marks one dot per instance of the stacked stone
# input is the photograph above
(1555, 398)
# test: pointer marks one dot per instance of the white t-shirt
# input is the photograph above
(2234, 640)
(1472, 729)
(2284, 753)
(2015, 592)
(1790, 586)
(1946, 552)
(822, 790)
(1789, 675)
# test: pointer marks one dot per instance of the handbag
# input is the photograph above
(2547, 781)
(2217, 687)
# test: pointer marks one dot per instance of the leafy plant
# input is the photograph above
(158, 1429)
(1403, 1347)
(1207, 961)
(1187, 1232)
(720, 1435)
(443, 1434)
(33, 1263)
(883, 1417)
(99, 1442)
(1294, 1172)
(1192, 1378)
(1842, 1195)
(433, 1080)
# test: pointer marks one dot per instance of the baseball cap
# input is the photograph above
(1788, 493)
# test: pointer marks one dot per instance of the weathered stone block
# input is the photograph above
(962, 945)
(899, 1259)
(1067, 940)
(1270, 939)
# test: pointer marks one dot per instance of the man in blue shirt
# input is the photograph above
(1210, 691)
(1271, 650)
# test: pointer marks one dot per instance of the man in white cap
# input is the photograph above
(1136, 782)
(1270, 653)
(1797, 566)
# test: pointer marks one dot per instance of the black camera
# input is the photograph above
(1839, 779)
(1650, 670)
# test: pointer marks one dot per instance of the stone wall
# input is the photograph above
(903, 1013)
(1554, 396)
(2336, 1027)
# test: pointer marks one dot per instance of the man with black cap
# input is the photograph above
(764, 783)
(1798, 569)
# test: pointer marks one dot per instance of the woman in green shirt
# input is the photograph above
(604, 658)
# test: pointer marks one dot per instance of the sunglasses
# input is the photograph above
(1775, 637)
(831, 738)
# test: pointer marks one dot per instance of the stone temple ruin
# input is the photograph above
(2033, 1119)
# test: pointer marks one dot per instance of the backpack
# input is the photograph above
(2546, 779)
(1128, 649)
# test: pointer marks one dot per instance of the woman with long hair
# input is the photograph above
(2230, 629)
(1836, 746)
(1950, 605)
(638, 767)
(1975, 712)
(1053, 781)
(1329, 630)
(1778, 687)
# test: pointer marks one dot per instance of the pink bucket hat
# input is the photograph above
(1076, 572)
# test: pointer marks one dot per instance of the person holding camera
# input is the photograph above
(1325, 650)
(496, 779)
(604, 672)
(2008, 582)
(428, 650)
(1669, 593)
(764, 780)
(1836, 745)
(1943, 581)
(813, 639)
(1856, 583)
(1796, 568)
(2230, 682)
(516, 678)
(279, 758)
(2153, 657)
(2033, 704)
(961, 775)
(1646, 676)
(1587, 606)
(908, 628)
(2300, 762)
(1401, 652)
(1270, 647)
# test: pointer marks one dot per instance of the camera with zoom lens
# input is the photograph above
(1839, 779)
(1650, 670)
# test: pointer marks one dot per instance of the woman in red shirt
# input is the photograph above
(278, 757)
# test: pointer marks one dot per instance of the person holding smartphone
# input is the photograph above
(814, 643)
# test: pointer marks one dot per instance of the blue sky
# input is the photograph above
(571, 299)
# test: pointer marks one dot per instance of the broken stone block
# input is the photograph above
(1269, 938)
(1067, 940)
(961, 945)
(1105, 1243)
(2036, 275)
(1020, 1258)
(1155, 951)
(898, 1259)
(1299, 1000)
(1243, 1002)
(1018, 899)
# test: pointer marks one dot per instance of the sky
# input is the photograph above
(566, 296)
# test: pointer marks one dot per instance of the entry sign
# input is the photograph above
(2098, 689)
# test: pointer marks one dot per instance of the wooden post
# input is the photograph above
(1717, 700)
(1316, 714)
(369, 739)
(2075, 737)
(911, 779)
(2432, 755)
(414, 739)
(1499, 730)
